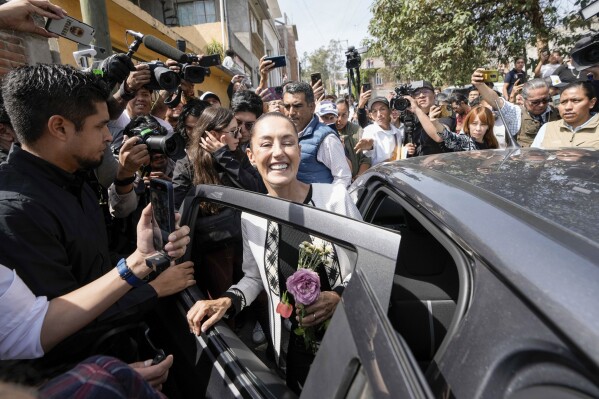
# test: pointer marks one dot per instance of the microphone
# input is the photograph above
(164, 49)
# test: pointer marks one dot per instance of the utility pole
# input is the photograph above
(94, 14)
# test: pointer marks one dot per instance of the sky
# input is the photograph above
(320, 21)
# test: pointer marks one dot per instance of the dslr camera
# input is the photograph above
(158, 140)
(161, 77)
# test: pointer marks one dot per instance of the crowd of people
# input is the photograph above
(75, 213)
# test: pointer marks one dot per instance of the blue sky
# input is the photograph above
(319, 21)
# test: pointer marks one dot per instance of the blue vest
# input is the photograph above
(311, 170)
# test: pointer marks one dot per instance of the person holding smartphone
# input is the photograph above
(517, 74)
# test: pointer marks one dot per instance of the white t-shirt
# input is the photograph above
(385, 142)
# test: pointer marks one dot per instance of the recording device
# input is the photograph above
(315, 77)
(586, 52)
(446, 110)
(276, 93)
(490, 75)
(72, 29)
(353, 58)
(278, 60)
(521, 76)
(366, 87)
(163, 220)
(158, 140)
(161, 76)
(210, 60)
(400, 103)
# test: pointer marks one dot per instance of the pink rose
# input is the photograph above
(304, 285)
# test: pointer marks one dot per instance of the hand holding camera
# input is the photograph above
(140, 77)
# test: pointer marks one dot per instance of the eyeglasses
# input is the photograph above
(422, 93)
(248, 125)
(234, 132)
(540, 101)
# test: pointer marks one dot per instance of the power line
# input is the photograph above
(312, 19)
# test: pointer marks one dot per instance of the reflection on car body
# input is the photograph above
(476, 276)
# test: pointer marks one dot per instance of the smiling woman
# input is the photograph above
(275, 151)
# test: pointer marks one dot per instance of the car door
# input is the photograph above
(361, 354)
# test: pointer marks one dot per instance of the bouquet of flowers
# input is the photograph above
(304, 285)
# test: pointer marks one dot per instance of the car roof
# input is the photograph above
(561, 186)
(530, 215)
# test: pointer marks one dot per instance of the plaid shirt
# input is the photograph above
(513, 116)
(99, 377)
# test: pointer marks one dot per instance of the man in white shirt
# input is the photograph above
(382, 141)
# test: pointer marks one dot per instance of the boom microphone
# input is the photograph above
(164, 49)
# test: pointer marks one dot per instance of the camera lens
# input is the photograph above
(167, 79)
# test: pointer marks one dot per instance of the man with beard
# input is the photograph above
(51, 228)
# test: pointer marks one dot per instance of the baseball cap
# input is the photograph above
(555, 81)
(209, 94)
(422, 84)
(378, 100)
(326, 107)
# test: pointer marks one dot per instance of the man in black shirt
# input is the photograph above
(424, 94)
(51, 228)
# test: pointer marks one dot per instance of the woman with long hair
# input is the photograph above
(478, 131)
(218, 264)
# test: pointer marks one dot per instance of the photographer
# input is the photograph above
(52, 230)
(525, 121)
(126, 195)
(424, 94)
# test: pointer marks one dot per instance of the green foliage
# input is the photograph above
(215, 47)
(444, 41)
(327, 60)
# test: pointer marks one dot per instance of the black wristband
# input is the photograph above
(124, 182)
(123, 93)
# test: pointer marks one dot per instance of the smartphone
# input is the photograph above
(490, 75)
(210, 60)
(276, 93)
(72, 29)
(163, 208)
(315, 77)
(278, 60)
(366, 87)
(522, 77)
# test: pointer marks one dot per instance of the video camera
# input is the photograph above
(353, 58)
(399, 102)
(586, 52)
(161, 76)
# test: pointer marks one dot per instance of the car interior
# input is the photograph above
(426, 284)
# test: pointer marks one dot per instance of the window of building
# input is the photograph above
(196, 12)
(378, 79)
(254, 23)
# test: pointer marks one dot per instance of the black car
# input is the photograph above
(476, 275)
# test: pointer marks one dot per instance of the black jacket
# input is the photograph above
(52, 233)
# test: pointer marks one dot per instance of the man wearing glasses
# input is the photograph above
(424, 94)
(524, 121)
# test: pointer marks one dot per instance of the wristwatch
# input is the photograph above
(127, 274)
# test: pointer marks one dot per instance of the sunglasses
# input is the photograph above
(248, 125)
(541, 101)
